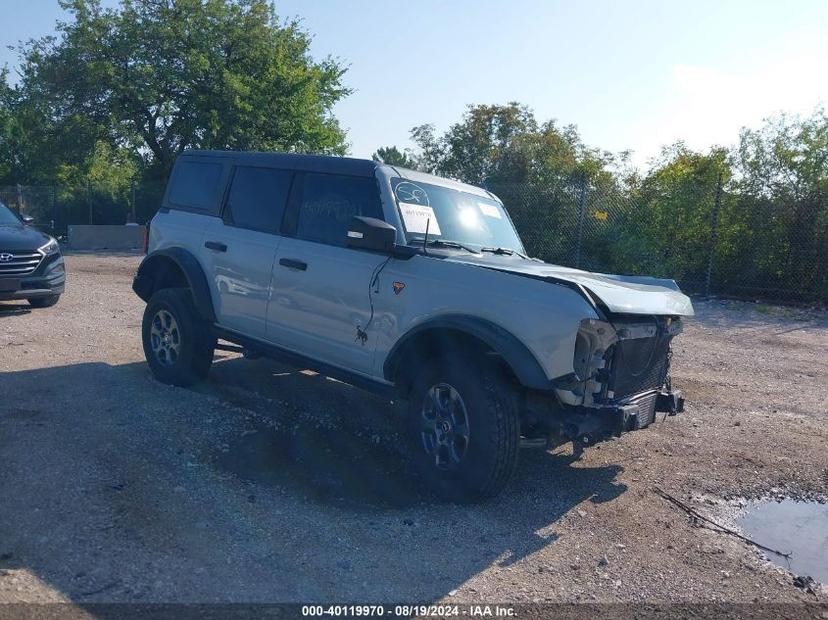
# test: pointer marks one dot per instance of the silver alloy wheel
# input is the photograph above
(444, 426)
(165, 338)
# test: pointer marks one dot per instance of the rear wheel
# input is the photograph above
(177, 341)
(43, 302)
(464, 428)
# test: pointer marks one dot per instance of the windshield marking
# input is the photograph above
(411, 193)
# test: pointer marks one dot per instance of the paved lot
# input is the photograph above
(269, 484)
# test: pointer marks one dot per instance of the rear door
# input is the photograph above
(239, 248)
(192, 200)
(320, 287)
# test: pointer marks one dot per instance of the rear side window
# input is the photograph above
(257, 198)
(329, 201)
(196, 185)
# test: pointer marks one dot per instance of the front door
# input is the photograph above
(240, 248)
(320, 305)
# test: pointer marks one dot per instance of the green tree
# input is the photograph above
(393, 156)
(668, 230)
(102, 182)
(21, 126)
(8, 157)
(539, 170)
(160, 76)
(34, 144)
(786, 158)
(506, 144)
(475, 149)
(783, 204)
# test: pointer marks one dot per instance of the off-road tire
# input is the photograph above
(493, 422)
(43, 302)
(196, 344)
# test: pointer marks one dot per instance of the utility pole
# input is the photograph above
(89, 202)
(581, 218)
(714, 233)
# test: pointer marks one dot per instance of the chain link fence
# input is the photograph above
(54, 209)
(711, 240)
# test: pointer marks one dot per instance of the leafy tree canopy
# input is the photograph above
(506, 144)
(160, 76)
(393, 156)
(787, 156)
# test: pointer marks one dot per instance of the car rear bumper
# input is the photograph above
(48, 280)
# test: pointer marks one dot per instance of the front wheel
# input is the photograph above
(177, 341)
(464, 428)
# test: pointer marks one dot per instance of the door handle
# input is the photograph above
(293, 264)
(215, 245)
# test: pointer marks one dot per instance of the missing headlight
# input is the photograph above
(589, 358)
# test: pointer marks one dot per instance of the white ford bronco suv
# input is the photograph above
(410, 285)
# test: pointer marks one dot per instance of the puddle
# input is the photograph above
(327, 465)
(800, 528)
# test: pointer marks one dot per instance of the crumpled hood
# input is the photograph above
(16, 237)
(622, 294)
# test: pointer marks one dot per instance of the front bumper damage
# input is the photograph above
(621, 380)
(596, 423)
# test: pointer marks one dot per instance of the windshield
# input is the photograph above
(7, 217)
(453, 215)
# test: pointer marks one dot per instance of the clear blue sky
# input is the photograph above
(630, 75)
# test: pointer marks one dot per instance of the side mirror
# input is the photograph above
(26, 219)
(369, 233)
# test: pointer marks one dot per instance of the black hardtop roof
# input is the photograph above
(294, 161)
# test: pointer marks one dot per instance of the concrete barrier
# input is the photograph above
(86, 237)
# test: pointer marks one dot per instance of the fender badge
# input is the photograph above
(398, 287)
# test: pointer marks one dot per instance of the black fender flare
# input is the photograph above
(517, 356)
(145, 278)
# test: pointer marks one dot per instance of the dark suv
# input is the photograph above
(31, 266)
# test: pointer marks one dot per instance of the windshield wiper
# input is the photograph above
(445, 243)
(507, 251)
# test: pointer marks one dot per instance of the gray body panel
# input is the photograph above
(179, 229)
(620, 294)
(240, 277)
(316, 311)
(545, 320)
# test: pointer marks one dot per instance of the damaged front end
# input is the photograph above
(621, 379)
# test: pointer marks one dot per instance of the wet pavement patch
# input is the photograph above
(800, 528)
(328, 465)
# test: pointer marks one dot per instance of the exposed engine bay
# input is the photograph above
(621, 379)
(614, 361)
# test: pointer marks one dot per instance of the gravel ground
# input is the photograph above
(270, 484)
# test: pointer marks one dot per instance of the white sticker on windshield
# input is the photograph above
(415, 218)
(489, 210)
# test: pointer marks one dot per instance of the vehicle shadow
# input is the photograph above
(10, 308)
(154, 493)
